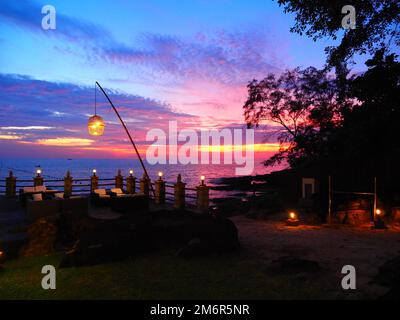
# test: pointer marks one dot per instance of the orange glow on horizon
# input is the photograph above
(9, 137)
(65, 142)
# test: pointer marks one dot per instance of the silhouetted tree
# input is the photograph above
(376, 24)
(304, 103)
(370, 129)
(377, 27)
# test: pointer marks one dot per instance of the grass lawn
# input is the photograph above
(158, 276)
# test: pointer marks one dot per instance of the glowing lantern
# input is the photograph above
(202, 178)
(94, 172)
(378, 212)
(38, 172)
(292, 215)
(160, 174)
(131, 172)
(96, 125)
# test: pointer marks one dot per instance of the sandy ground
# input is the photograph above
(331, 246)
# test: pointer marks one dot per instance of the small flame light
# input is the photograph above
(131, 172)
(293, 221)
(96, 126)
(2, 257)
(202, 178)
(378, 212)
(94, 172)
(160, 174)
(38, 172)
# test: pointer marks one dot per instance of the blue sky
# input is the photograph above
(161, 60)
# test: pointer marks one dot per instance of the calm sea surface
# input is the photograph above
(107, 168)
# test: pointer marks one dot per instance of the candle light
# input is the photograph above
(293, 221)
(202, 178)
(94, 172)
(378, 212)
(160, 174)
(38, 172)
(131, 172)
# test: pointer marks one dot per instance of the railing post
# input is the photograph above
(68, 185)
(38, 180)
(94, 182)
(179, 193)
(159, 190)
(11, 185)
(144, 185)
(131, 183)
(119, 180)
(202, 197)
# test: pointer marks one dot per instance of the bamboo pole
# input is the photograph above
(129, 135)
(375, 199)
(329, 200)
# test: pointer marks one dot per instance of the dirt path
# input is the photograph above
(331, 247)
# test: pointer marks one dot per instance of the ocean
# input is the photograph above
(24, 169)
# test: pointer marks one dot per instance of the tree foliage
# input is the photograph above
(377, 26)
(317, 125)
(303, 102)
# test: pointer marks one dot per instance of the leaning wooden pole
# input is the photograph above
(329, 200)
(130, 138)
(375, 198)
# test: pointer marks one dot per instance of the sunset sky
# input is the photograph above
(188, 61)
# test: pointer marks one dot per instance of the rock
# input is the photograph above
(292, 265)
(216, 234)
(194, 248)
(42, 235)
(108, 241)
(221, 236)
(358, 217)
(396, 215)
(12, 244)
(353, 205)
(340, 217)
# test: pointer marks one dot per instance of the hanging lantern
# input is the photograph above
(96, 123)
(96, 126)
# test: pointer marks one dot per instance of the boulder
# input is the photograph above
(197, 234)
(216, 234)
(12, 243)
(108, 241)
(396, 215)
(221, 236)
(358, 217)
(194, 248)
(42, 235)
